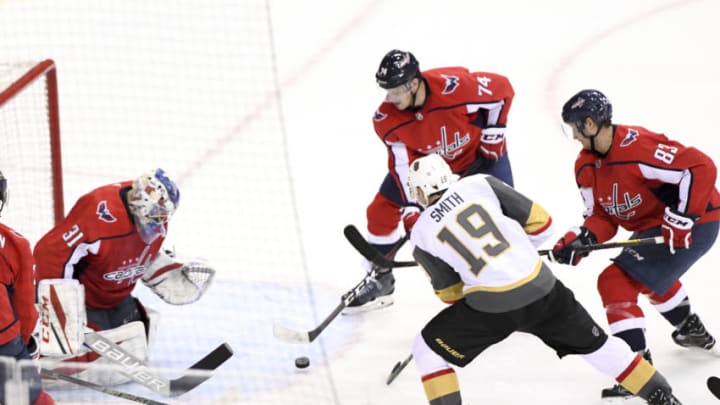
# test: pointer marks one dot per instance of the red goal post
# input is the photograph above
(30, 154)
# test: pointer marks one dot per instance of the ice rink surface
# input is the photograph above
(270, 136)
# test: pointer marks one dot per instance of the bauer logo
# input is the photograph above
(132, 367)
(449, 349)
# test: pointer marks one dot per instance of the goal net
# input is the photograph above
(30, 144)
(191, 87)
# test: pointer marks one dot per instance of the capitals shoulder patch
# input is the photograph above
(379, 116)
(451, 84)
(104, 213)
(631, 137)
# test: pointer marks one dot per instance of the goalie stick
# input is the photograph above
(361, 245)
(97, 387)
(139, 372)
(713, 384)
(295, 336)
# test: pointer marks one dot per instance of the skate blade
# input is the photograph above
(623, 401)
(377, 303)
(714, 351)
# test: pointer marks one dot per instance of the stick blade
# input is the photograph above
(357, 240)
(713, 384)
(290, 336)
(394, 373)
(211, 361)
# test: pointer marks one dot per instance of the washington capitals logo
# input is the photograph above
(631, 137)
(104, 213)
(619, 206)
(378, 116)
(451, 84)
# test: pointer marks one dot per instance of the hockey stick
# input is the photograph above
(657, 240)
(97, 387)
(397, 369)
(713, 384)
(139, 372)
(295, 336)
(370, 253)
(353, 235)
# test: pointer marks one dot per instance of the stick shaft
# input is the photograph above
(100, 388)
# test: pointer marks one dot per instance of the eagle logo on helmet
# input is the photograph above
(578, 104)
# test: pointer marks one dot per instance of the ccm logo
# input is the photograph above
(133, 367)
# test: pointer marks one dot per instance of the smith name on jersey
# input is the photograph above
(496, 271)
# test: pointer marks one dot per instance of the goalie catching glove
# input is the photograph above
(178, 283)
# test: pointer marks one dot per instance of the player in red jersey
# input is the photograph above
(111, 238)
(18, 315)
(458, 114)
(643, 182)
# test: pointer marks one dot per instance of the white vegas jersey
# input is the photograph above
(479, 240)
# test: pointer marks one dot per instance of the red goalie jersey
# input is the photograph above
(459, 105)
(643, 173)
(98, 244)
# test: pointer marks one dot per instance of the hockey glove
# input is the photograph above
(677, 229)
(564, 250)
(410, 215)
(178, 283)
(492, 143)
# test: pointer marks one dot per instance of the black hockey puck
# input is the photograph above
(302, 362)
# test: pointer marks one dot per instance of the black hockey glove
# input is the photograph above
(564, 250)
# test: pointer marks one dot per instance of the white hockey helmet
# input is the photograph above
(429, 175)
(153, 199)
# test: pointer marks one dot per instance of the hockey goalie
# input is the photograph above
(88, 265)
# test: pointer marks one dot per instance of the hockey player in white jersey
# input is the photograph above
(477, 240)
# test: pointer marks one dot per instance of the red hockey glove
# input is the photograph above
(677, 229)
(410, 215)
(492, 143)
(564, 250)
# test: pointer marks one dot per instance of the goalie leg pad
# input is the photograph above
(91, 367)
(63, 316)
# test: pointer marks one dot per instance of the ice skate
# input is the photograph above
(617, 394)
(375, 294)
(692, 333)
(663, 396)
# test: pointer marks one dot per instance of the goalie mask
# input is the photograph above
(153, 199)
(429, 175)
